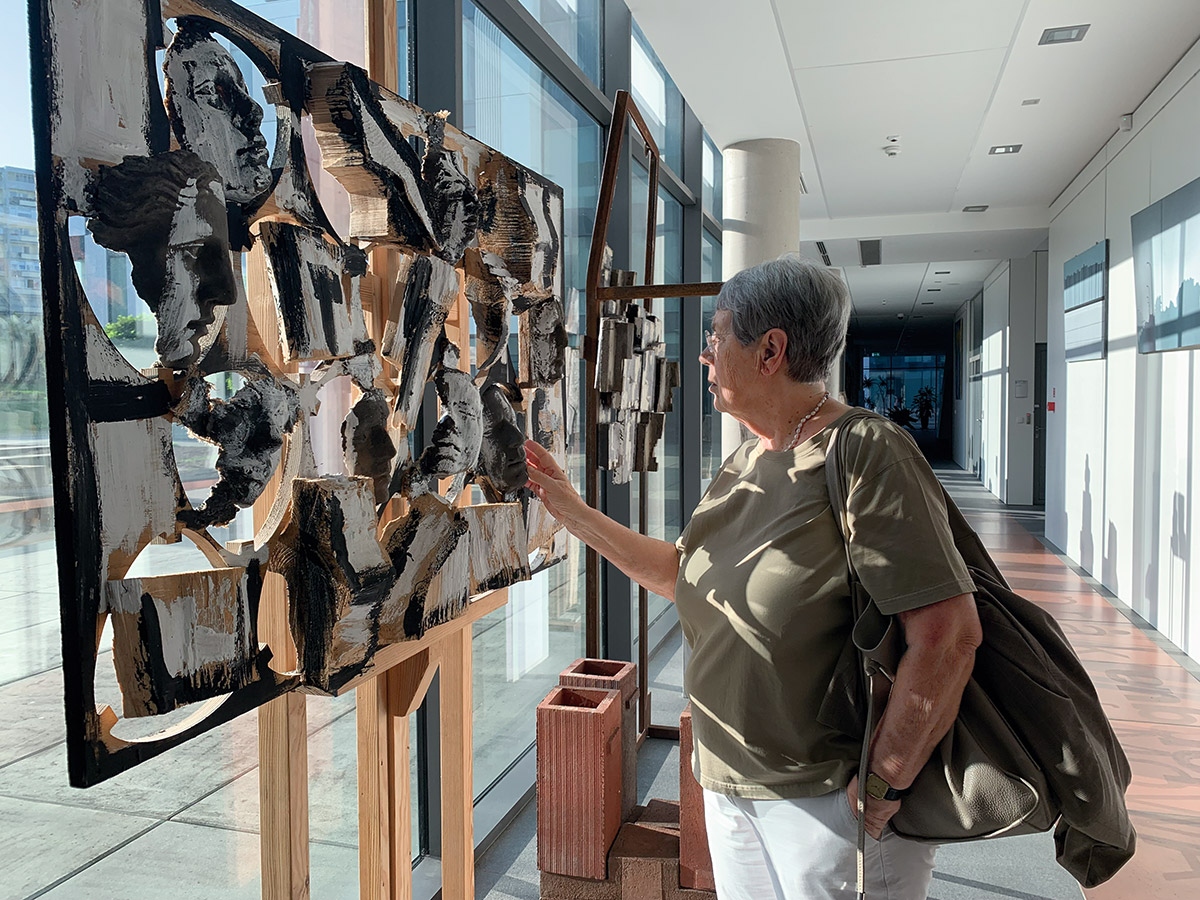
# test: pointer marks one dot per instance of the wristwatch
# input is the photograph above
(879, 789)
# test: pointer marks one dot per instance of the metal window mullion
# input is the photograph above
(436, 27)
(667, 179)
(691, 377)
(616, 606)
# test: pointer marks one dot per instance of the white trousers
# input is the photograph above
(805, 849)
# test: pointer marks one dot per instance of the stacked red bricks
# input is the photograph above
(695, 863)
(587, 785)
(608, 675)
(578, 780)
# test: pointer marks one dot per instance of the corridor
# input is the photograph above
(1151, 693)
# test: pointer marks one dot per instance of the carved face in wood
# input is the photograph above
(502, 453)
(213, 114)
(168, 213)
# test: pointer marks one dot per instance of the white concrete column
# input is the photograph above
(761, 218)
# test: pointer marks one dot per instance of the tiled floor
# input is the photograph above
(186, 823)
(1151, 693)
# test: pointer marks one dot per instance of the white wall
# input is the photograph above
(1013, 309)
(1123, 446)
(1022, 313)
(995, 381)
(962, 402)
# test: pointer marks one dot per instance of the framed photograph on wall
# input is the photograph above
(1085, 304)
(1166, 257)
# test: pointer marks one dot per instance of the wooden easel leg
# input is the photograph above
(458, 845)
(283, 797)
(384, 704)
(374, 822)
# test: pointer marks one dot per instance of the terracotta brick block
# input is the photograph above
(564, 887)
(610, 675)
(695, 863)
(578, 780)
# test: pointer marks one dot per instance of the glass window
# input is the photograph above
(402, 48)
(710, 189)
(907, 389)
(512, 105)
(659, 100)
(578, 27)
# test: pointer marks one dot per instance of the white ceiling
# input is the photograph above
(949, 77)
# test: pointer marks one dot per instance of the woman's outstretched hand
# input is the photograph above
(549, 483)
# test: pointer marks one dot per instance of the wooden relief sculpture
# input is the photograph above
(636, 384)
(180, 179)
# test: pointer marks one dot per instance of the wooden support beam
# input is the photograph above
(458, 845)
(283, 797)
(383, 705)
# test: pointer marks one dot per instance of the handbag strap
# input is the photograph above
(836, 485)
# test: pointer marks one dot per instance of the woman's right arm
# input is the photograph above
(652, 563)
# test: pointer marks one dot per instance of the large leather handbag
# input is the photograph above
(1031, 745)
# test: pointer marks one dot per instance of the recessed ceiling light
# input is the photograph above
(1068, 35)
(980, 208)
(1000, 149)
(1032, 101)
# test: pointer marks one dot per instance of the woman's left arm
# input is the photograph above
(941, 638)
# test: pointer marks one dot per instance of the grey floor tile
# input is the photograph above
(658, 771)
(158, 787)
(44, 842)
(22, 608)
(32, 712)
(515, 851)
(29, 651)
(332, 791)
(218, 863)
(1015, 868)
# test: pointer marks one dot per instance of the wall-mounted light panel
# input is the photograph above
(1001, 149)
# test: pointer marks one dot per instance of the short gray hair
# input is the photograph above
(806, 300)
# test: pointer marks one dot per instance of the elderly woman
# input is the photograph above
(760, 579)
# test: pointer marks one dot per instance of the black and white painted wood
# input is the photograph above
(179, 179)
(180, 639)
(426, 289)
(319, 317)
(636, 385)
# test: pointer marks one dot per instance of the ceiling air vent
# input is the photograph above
(824, 253)
(870, 252)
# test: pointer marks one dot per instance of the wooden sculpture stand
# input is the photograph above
(385, 697)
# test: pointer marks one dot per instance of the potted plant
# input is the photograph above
(901, 415)
(923, 406)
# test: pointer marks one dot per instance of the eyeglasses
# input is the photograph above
(712, 342)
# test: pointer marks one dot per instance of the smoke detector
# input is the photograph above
(891, 145)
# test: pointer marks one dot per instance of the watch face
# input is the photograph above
(877, 787)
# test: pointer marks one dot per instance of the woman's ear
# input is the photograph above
(773, 353)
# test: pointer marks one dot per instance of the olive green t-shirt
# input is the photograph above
(763, 597)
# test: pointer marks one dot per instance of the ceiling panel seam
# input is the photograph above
(812, 149)
(895, 59)
(992, 99)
